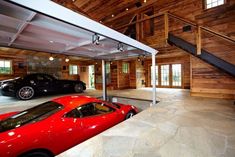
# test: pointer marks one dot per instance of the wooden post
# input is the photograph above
(166, 24)
(138, 29)
(199, 40)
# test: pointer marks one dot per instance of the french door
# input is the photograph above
(168, 75)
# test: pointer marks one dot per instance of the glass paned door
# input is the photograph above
(176, 75)
(165, 81)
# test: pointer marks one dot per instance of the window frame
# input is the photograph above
(157, 75)
(205, 4)
(169, 73)
(181, 75)
(125, 70)
(72, 72)
(81, 115)
(108, 72)
(11, 66)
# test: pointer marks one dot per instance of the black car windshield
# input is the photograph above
(31, 115)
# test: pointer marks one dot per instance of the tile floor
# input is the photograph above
(179, 126)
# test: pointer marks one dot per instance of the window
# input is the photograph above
(5, 67)
(176, 74)
(91, 109)
(73, 69)
(107, 66)
(156, 75)
(213, 3)
(31, 115)
(108, 74)
(165, 75)
(125, 68)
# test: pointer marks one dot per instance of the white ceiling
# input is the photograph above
(25, 29)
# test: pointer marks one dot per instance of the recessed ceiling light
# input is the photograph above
(100, 21)
(51, 41)
(51, 58)
(145, 1)
(127, 9)
(112, 15)
(73, 0)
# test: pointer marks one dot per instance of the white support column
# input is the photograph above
(104, 80)
(154, 77)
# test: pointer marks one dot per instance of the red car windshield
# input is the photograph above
(31, 115)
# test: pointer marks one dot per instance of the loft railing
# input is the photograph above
(198, 34)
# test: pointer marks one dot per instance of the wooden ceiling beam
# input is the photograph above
(70, 4)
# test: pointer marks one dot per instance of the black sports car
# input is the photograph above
(27, 87)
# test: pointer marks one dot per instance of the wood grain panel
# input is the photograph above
(209, 81)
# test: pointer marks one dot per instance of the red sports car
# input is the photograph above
(54, 126)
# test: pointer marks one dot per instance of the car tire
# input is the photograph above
(37, 154)
(129, 114)
(25, 93)
(78, 88)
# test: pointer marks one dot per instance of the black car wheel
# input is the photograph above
(78, 88)
(25, 93)
(130, 114)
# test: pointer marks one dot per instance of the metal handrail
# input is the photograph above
(217, 34)
(183, 20)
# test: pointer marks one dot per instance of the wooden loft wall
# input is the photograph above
(220, 19)
(25, 61)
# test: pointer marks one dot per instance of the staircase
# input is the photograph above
(205, 56)
(173, 37)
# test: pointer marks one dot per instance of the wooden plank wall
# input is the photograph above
(220, 19)
(208, 81)
(123, 79)
(9, 54)
(140, 74)
(114, 76)
(119, 80)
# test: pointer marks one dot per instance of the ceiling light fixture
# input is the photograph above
(66, 59)
(145, 1)
(127, 9)
(51, 58)
(96, 39)
(51, 41)
(112, 15)
(138, 59)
